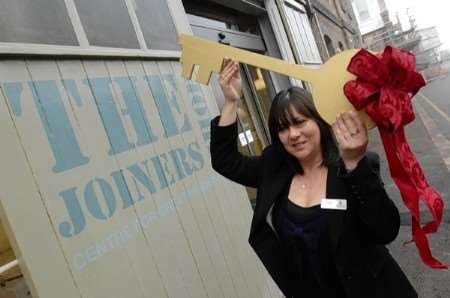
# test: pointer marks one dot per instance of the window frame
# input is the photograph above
(9, 49)
(312, 44)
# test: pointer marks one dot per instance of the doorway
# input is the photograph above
(257, 86)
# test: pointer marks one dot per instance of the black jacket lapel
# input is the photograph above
(280, 175)
(336, 189)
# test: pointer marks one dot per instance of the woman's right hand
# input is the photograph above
(230, 80)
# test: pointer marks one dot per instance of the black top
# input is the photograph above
(304, 233)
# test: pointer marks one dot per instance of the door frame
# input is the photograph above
(210, 29)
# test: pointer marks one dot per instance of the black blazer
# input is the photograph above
(357, 235)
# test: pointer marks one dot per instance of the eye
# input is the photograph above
(282, 128)
(299, 121)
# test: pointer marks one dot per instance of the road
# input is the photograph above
(429, 138)
(435, 101)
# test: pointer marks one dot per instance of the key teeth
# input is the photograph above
(187, 65)
(190, 56)
(203, 76)
(187, 71)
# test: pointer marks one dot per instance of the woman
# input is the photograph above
(322, 216)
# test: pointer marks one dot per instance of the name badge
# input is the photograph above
(337, 204)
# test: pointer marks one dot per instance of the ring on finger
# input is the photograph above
(352, 133)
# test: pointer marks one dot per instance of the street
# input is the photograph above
(434, 101)
(429, 138)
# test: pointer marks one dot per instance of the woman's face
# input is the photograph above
(301, 138)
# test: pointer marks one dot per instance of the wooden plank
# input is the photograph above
(95, 279)
(163, 233)
(23, 204)
(188, 224)
(180, 210)
(241, 248)
(216, 200)
(197, 255)
(240, 234)
(209, 203)
(240, 197)
(139, 250)
(195, 107)
(5, 258)
(192, 182)
(185, 240)
(5, 246)
(273, 288)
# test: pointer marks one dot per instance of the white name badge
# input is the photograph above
(338, 204)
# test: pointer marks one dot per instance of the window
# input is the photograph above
(157, 25)
(304, 41)
(329, 45)
(31, 21)
(362, 9)
(89, 27)
(364, 15)
(107, 23)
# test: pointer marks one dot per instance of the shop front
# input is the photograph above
(106, 186)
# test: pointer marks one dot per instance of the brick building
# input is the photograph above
(337, 24)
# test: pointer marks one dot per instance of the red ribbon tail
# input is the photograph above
(423, 246)
(408, 176)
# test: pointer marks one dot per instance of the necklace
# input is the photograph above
(304, 185)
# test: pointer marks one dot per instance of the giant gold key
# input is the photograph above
(327, 80)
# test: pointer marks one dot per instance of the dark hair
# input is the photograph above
(280, 117)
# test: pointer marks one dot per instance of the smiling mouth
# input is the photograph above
(299, 145)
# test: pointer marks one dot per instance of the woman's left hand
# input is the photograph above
(352, 138)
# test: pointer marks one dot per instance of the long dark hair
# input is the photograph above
(279, 117)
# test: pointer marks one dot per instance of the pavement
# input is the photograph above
(429, 139)
(429, 283)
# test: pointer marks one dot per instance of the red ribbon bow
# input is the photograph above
(384, 87)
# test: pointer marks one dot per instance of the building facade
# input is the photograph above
(368, 15)
(378, 31)
(106, 186)
(337, 23)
